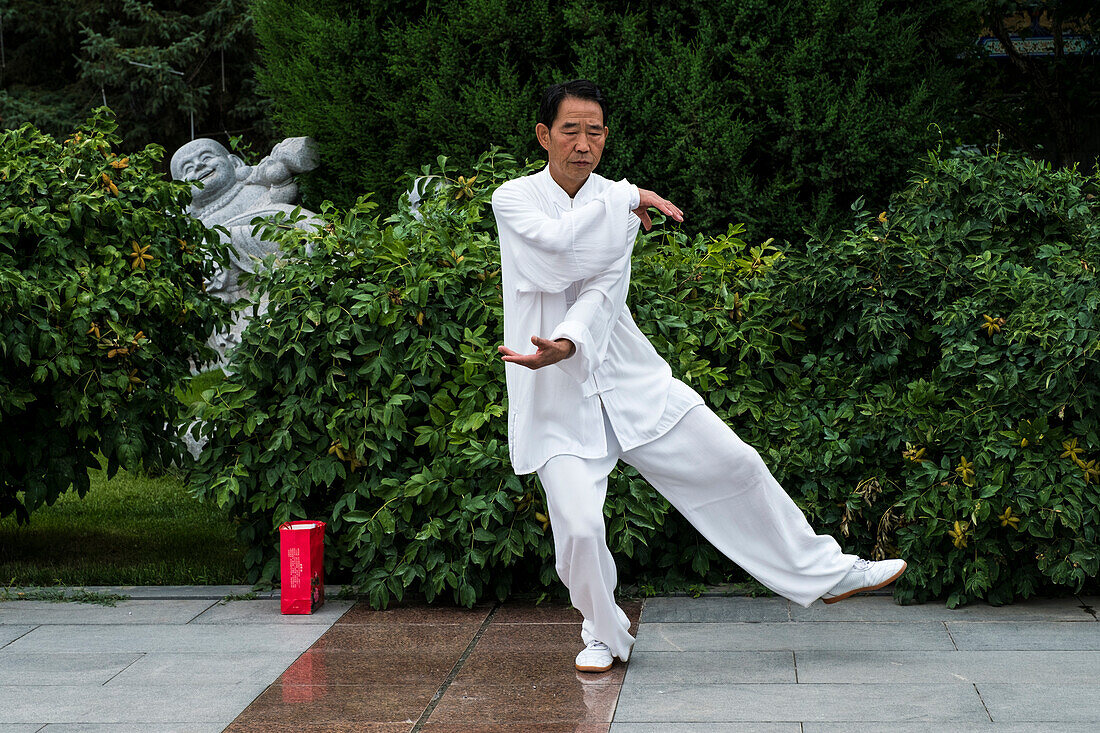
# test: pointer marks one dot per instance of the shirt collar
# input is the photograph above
(557, 193)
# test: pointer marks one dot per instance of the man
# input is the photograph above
(593, 390)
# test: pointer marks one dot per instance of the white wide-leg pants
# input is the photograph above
(720, 485)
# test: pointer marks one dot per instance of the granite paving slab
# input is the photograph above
(709, 727)
(1024, 636)
(553, 700)
(757, 703)
(986, 727)
(125, 612)
(65, 668)
(209, 668)
(126, 703)
(1016, 702)
(9, 633)
(541, 726)
(268, 612)
(284, 704)
(162, 638)
(704, 637)
(711, 609)
(238, 726)
(883, 609)
(148, 727)
(163, 592)
(1034, 667)
(710, 667)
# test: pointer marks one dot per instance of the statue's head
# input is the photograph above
(208, 161)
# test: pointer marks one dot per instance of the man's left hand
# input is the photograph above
(549, 352)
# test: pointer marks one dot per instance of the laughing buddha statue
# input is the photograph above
(231, 195)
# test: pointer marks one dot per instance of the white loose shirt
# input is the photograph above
(565, 270)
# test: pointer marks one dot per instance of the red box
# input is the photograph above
(302, 571)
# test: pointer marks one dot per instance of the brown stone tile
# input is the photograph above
(531, 637)
(540, 727)
(547, 612)
(487, 666)
(449, 639)
(554, 612)
(285, 704)
(362, 613)
(270, 726)
(412, 667)
(566, 701)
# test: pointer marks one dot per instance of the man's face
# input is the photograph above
(206, 161)
(574, 142)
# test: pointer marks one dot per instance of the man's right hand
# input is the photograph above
(647, 199)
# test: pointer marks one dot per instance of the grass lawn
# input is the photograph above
(131, 530)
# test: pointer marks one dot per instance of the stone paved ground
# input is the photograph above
(171, 659)
(865, 664)
(177, 659)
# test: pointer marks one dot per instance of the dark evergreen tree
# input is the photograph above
(733, 109)
(1042, 90)
(161, 65)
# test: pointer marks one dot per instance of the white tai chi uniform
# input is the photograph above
(565, 267)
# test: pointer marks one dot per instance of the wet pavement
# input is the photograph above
(189, 659)
(502, 667)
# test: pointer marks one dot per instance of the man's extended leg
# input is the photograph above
(723, 488)
(575, 492)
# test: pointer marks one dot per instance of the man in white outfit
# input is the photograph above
(586, 389)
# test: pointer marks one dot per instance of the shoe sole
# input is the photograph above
(883, 584)
(588, 668)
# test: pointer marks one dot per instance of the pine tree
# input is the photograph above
(161, 65)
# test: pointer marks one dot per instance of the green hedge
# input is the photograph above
(736, 110)
(949, 392)
(863, 368)
(101, 309)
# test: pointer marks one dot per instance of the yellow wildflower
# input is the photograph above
(992, 325)
(465, 187)
(958, 533)
(138, 256)
(965, 470)
(914, 454)
(1070, 449)
(1008, 518)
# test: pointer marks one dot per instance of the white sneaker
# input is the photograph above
(864, 576)
(595, 657)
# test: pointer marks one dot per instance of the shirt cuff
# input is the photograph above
(635, 198)
(577, 366)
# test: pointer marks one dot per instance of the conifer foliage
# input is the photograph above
(159, 64)
(736, 109)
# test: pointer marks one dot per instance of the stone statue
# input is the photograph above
(232, 194)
